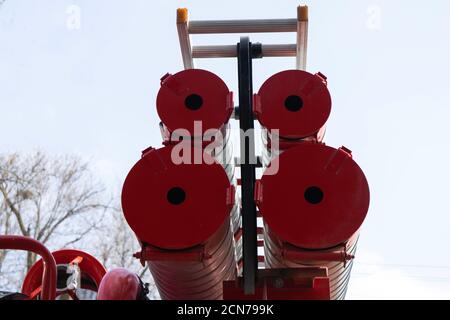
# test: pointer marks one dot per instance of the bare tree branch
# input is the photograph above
(45, 195)
(143, 271)
(58, 201)
(13, 208)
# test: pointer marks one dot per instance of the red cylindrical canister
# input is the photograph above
(181, 215)
(196, 105)
(192, 102)
(292, 106)
(313, 207)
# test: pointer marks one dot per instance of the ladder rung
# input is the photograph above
(214, 51)
(279, 50)
(242, 26)
(230, 51)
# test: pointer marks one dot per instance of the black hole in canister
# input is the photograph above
(193, 102)
(293, 103)
(314, 195)
(176, 196)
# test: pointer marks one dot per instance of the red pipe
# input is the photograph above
(181, 215)
(325, 201)
(28, 244)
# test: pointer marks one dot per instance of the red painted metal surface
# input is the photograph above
(294, 102)
(92, 270)
(119, 284)
(193, 95)
(183, 276)
(197, 105)
(324, 196)
(320, 190)
(176, 206)
(181, 215)
(48, 273)
(307, 283)
(337, 260)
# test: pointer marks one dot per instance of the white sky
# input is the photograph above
(92, 91)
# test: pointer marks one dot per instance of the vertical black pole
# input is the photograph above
(248, 164)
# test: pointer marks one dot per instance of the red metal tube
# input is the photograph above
(92, 270)
(28, 244)
(324, 196)
(181, 215)
(296, 103)
(338, 260)
(292, 107)
(191, 98)
(197, 279)
(195, 105)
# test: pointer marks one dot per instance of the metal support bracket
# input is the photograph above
(245, 53)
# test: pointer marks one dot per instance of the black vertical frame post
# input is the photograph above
(245, 55)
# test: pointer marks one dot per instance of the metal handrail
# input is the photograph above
(11, 242)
